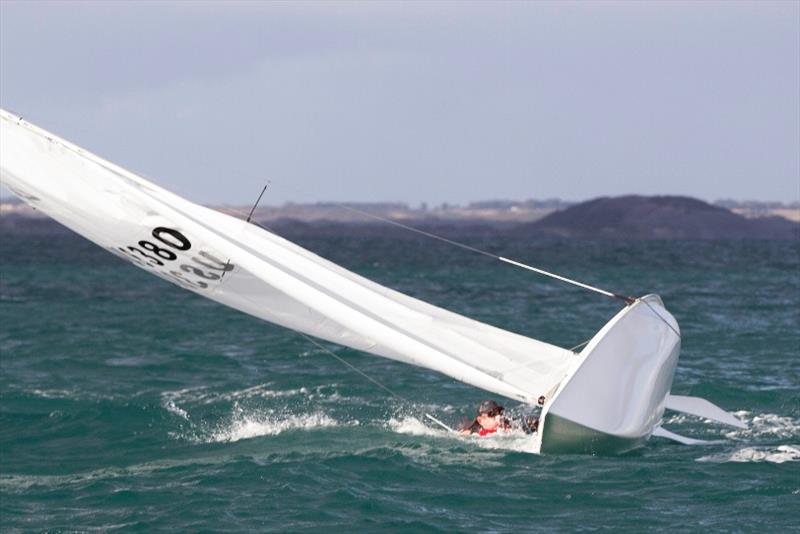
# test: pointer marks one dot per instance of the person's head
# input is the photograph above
(490, 408)
(490, 414)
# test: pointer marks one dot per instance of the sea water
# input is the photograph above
(127, 403)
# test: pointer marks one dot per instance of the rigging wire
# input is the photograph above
(664, 320)
(627, 300)
(326, 350)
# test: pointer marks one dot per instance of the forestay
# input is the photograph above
(250, 269)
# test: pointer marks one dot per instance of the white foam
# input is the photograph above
(72, 394)
(777, 455)
(765, 425)
(168, 401)
(55, 393)
(263, 391)
(676, 419)
(248, 426)
(185, 395)
(173, 408)
(511, 440)
(415, 427)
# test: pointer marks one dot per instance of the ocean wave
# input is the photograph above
(22, 483)
(429, 455)
(777, 455)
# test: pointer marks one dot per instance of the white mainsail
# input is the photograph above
(252, 270)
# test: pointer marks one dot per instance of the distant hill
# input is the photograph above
(627, 217)
(659, 217)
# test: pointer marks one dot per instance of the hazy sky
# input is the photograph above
(419, 101)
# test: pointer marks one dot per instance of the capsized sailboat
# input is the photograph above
(610, 397)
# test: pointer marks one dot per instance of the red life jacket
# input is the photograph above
(476, 428)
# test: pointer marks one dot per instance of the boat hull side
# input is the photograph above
(562, 436)
(614, 396)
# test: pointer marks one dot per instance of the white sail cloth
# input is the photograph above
(260, 273)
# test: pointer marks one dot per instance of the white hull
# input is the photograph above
(613, 397)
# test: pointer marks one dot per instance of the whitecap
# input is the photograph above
(133, 361)
(765, 425)
(54, 393)
(173, 408)
(415, 427)
(261, 391)
(247, 426)
(193, 394)
(69, 394)
(777, 455)
(675, 419)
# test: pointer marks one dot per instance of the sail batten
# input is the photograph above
(255, 271)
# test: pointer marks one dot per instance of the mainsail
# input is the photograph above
(257, 272)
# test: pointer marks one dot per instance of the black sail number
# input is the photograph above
(213, 262)
(148, 256)
(166, 245)
(172, 238)
(129, 256)
(191, 283)
(199, 272)
(162, 253)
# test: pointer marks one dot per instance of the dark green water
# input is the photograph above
(126, 403)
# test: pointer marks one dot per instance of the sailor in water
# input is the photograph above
(490, 420)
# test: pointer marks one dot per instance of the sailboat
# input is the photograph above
(608, 398)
